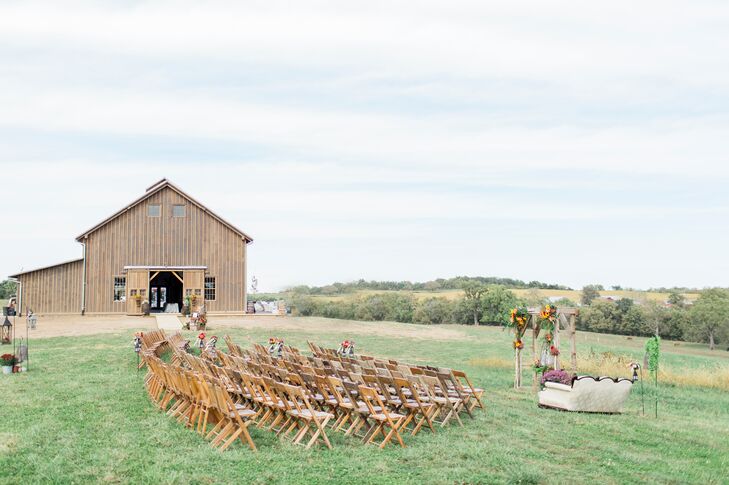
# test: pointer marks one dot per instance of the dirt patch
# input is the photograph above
(76, 325)
(8, 442)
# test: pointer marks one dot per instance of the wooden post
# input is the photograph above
(573, 344)
(517, 369)
(556, 342)
(535, 379)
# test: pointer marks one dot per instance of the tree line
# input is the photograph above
(455, 283)
(707, 320)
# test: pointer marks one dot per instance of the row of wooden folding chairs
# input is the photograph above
(199, 401)
(293, 394)
(348, 369)
(155, 341)
(418, 399)
(286, 396)
(284, 407)
(458, 383)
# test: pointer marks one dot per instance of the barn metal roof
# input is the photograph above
(46, 267)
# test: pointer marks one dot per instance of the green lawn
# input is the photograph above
(81, 415)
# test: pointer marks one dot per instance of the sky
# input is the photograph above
(566, 142)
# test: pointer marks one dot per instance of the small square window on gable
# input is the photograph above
(154, 210)
(178, 210)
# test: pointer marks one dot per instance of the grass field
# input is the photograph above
(573, 295)
(81, 416)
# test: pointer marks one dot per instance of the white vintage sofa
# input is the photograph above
(587, 394)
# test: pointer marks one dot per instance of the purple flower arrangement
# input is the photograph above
(559, 376)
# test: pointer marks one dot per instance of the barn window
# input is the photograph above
(210, 287)
(178, 210)
(154, 210)
(120, 288)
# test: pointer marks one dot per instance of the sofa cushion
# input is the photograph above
(557, 385)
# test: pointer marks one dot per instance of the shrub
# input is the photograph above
(304, 306)
(433, 311)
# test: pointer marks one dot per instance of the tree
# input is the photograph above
(677, 299)
(602, 316)
(710, 315)
(432, 311)
(589, 293)
(473, 292)
(633, 321)
(655, 314)
(7, 289)
(624, 304)
(496, 304)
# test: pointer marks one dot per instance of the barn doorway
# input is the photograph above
(165, 292)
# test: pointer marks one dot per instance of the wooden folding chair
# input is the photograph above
(382, 418)
(476, 392)
(450, 386)
(414, 405)
(447, 405)
(233, 420)
(311, 421)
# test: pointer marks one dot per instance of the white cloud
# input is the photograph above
(363, 139)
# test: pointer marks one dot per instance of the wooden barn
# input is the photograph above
(165, 249)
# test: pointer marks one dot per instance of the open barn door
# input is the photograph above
(137, 283)
(193, 282)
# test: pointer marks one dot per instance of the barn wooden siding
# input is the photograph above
(56, 289)
(135, 239)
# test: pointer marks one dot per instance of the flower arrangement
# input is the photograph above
(137, 298)
(518, 319)
(549, 312)
(547, 321)
(275, 346)
(7, 360)
(519, 316)
(346, 348)
(559, 376)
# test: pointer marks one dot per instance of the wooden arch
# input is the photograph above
(566, 319)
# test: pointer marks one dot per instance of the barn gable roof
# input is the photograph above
(155, 188)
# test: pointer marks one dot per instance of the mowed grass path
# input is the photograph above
(82, 416)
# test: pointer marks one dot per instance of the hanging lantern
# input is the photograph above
(5, 335)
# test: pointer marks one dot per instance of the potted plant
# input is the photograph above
(7, 361)
(559, 376)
